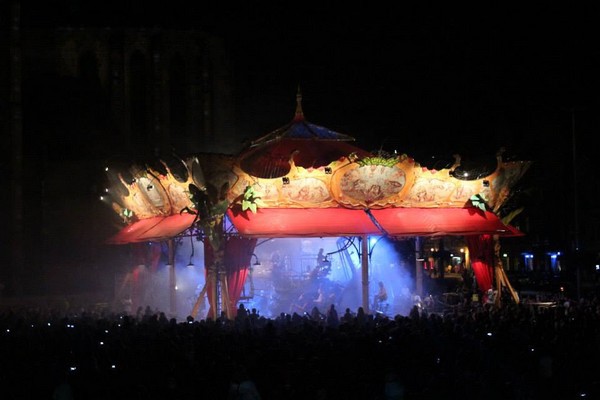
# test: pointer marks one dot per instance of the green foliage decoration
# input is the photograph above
(250, 201)
(479, 201)
(126, 214)
(384, 161)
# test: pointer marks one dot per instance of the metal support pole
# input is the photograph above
(419, 266)
(172, 280)
(365, 272)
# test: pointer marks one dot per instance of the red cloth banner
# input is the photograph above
(238, 255)
(481, 249)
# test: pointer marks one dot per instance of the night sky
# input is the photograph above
(426, 80)
(429, 81)
(423, 80)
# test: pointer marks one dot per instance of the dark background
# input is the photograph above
(429, 81)
(420, 79)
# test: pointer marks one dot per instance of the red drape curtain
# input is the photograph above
(481, 250)
(210, 283)
(148, 255)
(238, 255)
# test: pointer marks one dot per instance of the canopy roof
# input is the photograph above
(309, 145)
(154, 229)
(397, 222)
(327, 222)
(311, 181)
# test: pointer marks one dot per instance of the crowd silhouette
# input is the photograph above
(516, 351)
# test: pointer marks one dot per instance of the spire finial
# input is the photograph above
(299, 113)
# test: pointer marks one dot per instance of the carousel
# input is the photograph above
(305, 181)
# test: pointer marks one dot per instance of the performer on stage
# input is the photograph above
(321, 259)
(323, 267)
(381, 295)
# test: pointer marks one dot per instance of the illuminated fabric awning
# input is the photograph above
(303, 222)
(331, 222)
(153, 229)
(324, 222)
(310, 181)
(441, 221)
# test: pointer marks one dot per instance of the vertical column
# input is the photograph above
(365, 272)
(172, 279)
(419, 266)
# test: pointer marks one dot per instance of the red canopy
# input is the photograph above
(153, 229)
(441, 222)
(309, 145)
(323, 222)
(330, 222)
(272, 160)
(303, 222)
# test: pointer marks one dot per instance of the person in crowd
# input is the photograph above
(348, 316)
(332, 317)
(242, 386)
(315, 314)
(490, 297)
(393, 389)
(242, 313)
(361, 316)
(102, 351)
